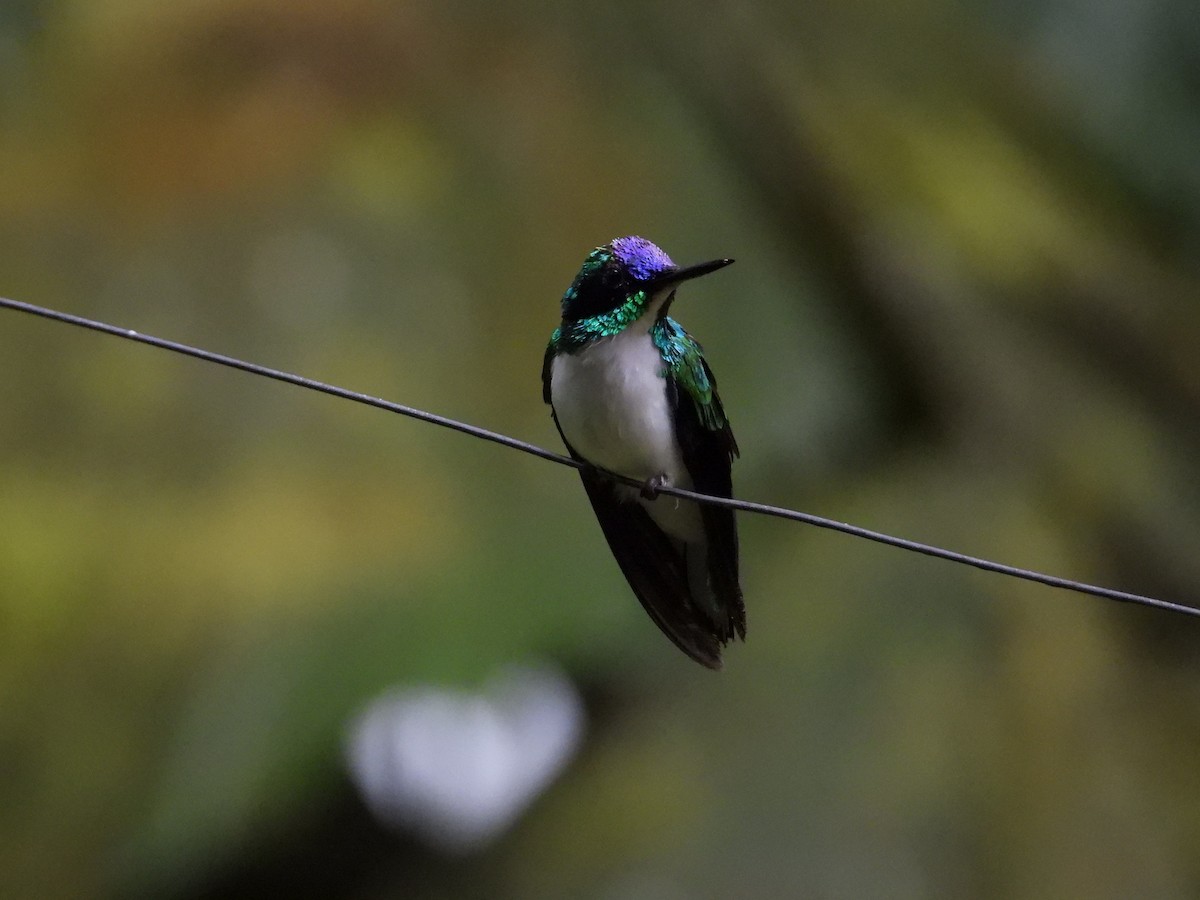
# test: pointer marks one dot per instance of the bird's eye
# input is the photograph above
(613, 279)
(604, 290)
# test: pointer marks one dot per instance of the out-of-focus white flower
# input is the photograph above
(458, 768)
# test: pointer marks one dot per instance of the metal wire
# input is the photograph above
(534, 450)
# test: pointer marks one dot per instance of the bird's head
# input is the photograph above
(620, 271)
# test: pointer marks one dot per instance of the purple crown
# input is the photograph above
(643, 259)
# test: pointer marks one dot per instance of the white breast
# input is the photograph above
(611, 403)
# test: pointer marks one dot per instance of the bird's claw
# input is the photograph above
(651, 486)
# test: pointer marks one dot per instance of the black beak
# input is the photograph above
(689, 272)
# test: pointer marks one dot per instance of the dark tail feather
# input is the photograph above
(721, 529)
(657, 572)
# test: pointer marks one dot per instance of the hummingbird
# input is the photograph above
(631, 392)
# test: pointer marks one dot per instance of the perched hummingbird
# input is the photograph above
(630, 391)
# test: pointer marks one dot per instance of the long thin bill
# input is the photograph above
(690, 272)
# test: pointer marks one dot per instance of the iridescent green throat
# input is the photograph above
(571, 337)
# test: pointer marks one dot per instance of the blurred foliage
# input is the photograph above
(965, 311)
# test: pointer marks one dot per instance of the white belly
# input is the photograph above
(611, 403)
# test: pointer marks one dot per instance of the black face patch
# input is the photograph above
(598, 288)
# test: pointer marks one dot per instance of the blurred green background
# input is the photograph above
(966, 310)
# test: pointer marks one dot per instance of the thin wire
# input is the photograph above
(532, 449)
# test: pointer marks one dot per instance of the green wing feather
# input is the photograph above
(687, 368)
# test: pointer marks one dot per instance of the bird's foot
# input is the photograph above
(651, 486)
